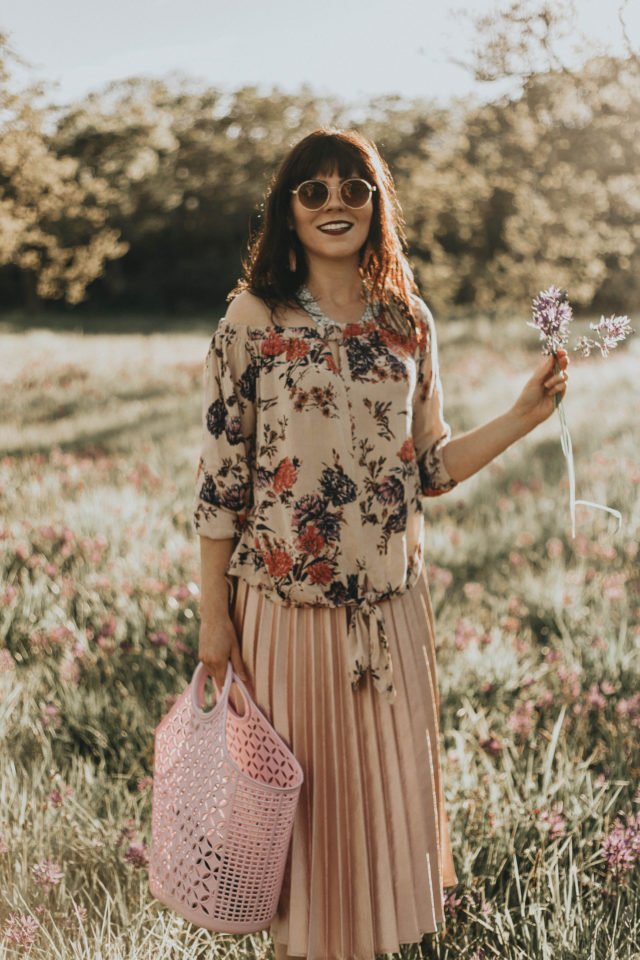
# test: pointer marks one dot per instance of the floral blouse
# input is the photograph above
(319, 443)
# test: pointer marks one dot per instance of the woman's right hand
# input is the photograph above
(218, 641)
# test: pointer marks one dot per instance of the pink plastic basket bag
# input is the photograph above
(225, 791)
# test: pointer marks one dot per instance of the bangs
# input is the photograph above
(323, 156)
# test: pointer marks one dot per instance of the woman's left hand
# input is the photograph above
(537, 400)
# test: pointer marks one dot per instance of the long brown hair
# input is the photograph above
(275, 248)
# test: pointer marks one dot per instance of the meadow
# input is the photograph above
(538, 649)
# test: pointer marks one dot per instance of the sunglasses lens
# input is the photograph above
(355, 193)
(312, 194)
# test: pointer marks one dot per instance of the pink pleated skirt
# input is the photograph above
(370, 852)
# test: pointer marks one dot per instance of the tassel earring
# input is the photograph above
(367, 256)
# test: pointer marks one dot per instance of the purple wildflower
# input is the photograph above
(160, 639)
(46, 874)
(22, 929)
(552, 314)
(466, 632)
(621, 846)
(553, 821)
(630, 708)
(137, 855)
(609, 332)
(451, 902)
(478, 904)
(126, 833)
(491, 746)
(75, 921)
(49, 715)
(546, 700)
(595, 699)
(520, 721)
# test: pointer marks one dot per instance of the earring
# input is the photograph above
(367, 255)
(292, 260)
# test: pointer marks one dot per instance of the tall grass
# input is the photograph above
(538, 652)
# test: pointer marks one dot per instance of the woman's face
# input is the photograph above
(336, 231)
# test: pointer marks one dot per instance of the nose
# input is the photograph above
(334, 199)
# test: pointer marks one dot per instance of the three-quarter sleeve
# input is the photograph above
(430, 431)
(224, 493)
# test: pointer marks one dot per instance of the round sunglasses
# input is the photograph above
(314, 194)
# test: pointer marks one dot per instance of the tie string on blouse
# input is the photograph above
(368, 646)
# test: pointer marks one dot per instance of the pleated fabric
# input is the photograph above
(370, 851)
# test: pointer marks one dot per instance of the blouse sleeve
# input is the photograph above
(430, 431)
(224, 492)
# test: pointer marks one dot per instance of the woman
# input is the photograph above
(323, 431)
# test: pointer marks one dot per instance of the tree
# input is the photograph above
(52, 216)
(537, 187)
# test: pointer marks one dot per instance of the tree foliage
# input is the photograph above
(53, 223)
(544, 187)
(190, 167)
(145, 193)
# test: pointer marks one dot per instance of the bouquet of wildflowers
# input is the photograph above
(552, 315)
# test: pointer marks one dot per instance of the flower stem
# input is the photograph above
(567, 449)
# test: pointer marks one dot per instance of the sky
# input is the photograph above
(352, 48)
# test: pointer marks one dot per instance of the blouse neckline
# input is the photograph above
(310, 305)
(322, 326)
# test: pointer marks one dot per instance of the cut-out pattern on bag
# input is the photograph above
(225, 791)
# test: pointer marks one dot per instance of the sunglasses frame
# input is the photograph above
(372, 189)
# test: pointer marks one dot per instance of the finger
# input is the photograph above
(558, 388)
(557, 379)
(217, 670)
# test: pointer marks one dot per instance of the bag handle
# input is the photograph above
(198, 681)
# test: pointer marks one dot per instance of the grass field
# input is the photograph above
(538, 650)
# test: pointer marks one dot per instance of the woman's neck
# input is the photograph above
(338, 284)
